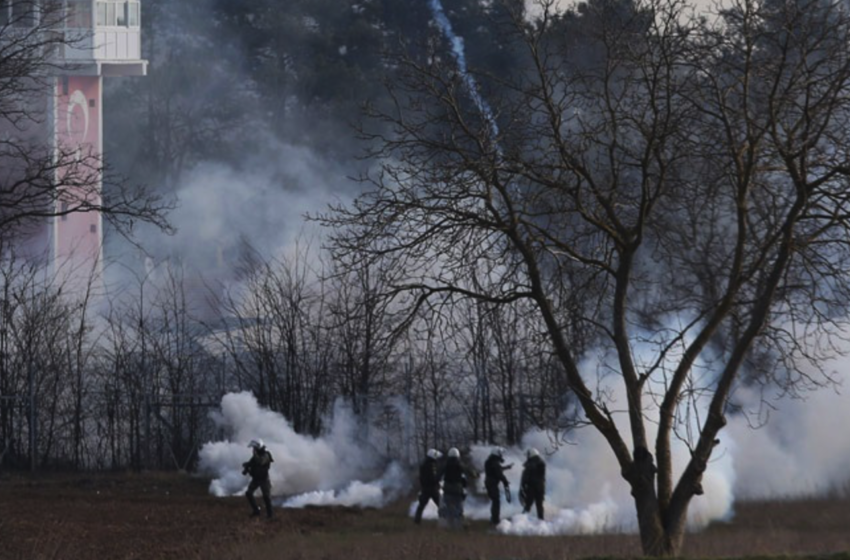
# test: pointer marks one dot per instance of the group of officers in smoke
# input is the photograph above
(451, 475)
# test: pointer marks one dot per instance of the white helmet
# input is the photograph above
(453, 452)
(499, 452)
(434, 454)
(257, 443)
(532, 453)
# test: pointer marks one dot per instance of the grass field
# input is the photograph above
(165, 516)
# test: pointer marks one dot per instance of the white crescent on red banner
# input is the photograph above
(77, 99)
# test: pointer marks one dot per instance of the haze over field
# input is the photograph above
(797, 453)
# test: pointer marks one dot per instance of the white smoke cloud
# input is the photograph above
(306, 470)
(375, 493)
(223, 208)
(585, 493)
(264, 202)
(799, 452)
(802, 450)
(534, 8)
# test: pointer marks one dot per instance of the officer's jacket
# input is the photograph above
(259, 464)
(453, 476)
(534, 476)
(493, 471)
(428, 473)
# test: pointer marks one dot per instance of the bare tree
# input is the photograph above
(184, 387)
(276, 337)
(361, 322)
(39, 398)
(124, 380)
(676, 204)
(433, 389)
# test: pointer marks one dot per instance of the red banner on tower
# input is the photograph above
(77, 236)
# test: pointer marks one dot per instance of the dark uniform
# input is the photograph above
(429, 485)
(494, 473)
(258, 468)
(453, 476)
(533, 484)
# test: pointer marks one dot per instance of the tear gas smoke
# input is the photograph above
(534, 8)
(265, 202)
(802, 450)
(795, 454)
(375, 493)
(306, 470)
(585, 493)
(220, 207)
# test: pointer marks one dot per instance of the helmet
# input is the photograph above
(434, 454)
(532, 453)
(453, 452)
(257, 443)
(499, 452)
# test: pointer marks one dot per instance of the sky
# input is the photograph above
(533, 6)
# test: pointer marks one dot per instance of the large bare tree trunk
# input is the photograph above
(661, 532)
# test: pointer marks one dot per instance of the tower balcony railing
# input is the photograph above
(88, 36)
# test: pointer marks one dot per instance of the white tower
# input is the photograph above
(93, 39)
(102, 38)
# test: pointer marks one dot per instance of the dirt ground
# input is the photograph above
(129, 516)
(165, 516)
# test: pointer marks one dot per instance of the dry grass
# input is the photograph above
(768, 529)
(787, 527)
(161, 517)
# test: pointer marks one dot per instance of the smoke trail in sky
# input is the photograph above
(338, 468)
(460, 58)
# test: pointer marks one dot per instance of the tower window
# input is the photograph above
(106, 14)
(113, 13)
(133, 14)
